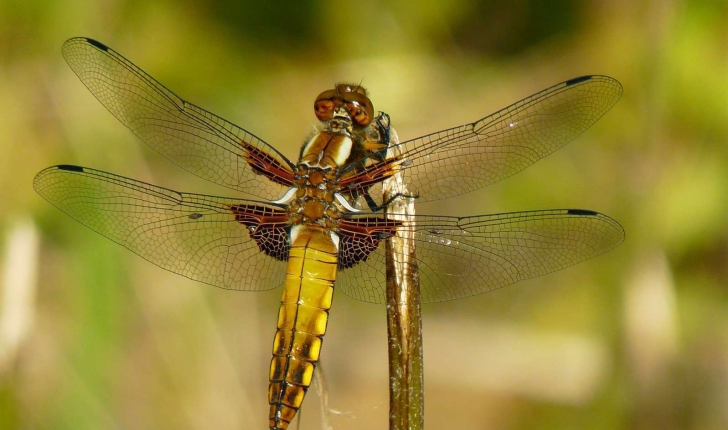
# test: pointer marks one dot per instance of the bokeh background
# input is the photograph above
(94, 337)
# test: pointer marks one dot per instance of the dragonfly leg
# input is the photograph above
(376, 208)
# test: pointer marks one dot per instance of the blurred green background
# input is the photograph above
(92, 336)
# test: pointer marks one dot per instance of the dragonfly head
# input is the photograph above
(347, 102)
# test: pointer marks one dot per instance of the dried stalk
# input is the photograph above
(404, 317)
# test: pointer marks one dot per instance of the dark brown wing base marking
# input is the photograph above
(359, 237)
(268, 227)
(266, 165)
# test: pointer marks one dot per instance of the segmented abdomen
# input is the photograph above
(304, 313)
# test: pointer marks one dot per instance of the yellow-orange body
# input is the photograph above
(310, 274)
(304, 313)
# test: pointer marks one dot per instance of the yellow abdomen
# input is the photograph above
(304, 312)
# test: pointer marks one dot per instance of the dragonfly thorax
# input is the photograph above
(326, 151)
(314, 200)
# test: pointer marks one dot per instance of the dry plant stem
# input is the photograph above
(404, 320)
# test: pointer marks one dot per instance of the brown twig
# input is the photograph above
(404, 317)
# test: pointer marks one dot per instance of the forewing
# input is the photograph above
(462, 159)
(461, 257)
(191, 137)
(210, 239)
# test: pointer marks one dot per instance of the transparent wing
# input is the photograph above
(461, 257)
(462, 159)
(191, 137)
(205, 238)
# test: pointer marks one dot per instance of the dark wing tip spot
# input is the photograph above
(578, 80)
(70, 168)
(585, 212)
(97, 44)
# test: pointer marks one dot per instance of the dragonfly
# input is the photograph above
(322, 222)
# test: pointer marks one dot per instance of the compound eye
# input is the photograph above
(358, 114)
(324, 109)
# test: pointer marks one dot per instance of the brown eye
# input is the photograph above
(324, 109)
(358, 114)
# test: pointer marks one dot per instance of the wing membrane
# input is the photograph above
(205, 238)
(461, 257)
(191, 137)
(462, 159)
